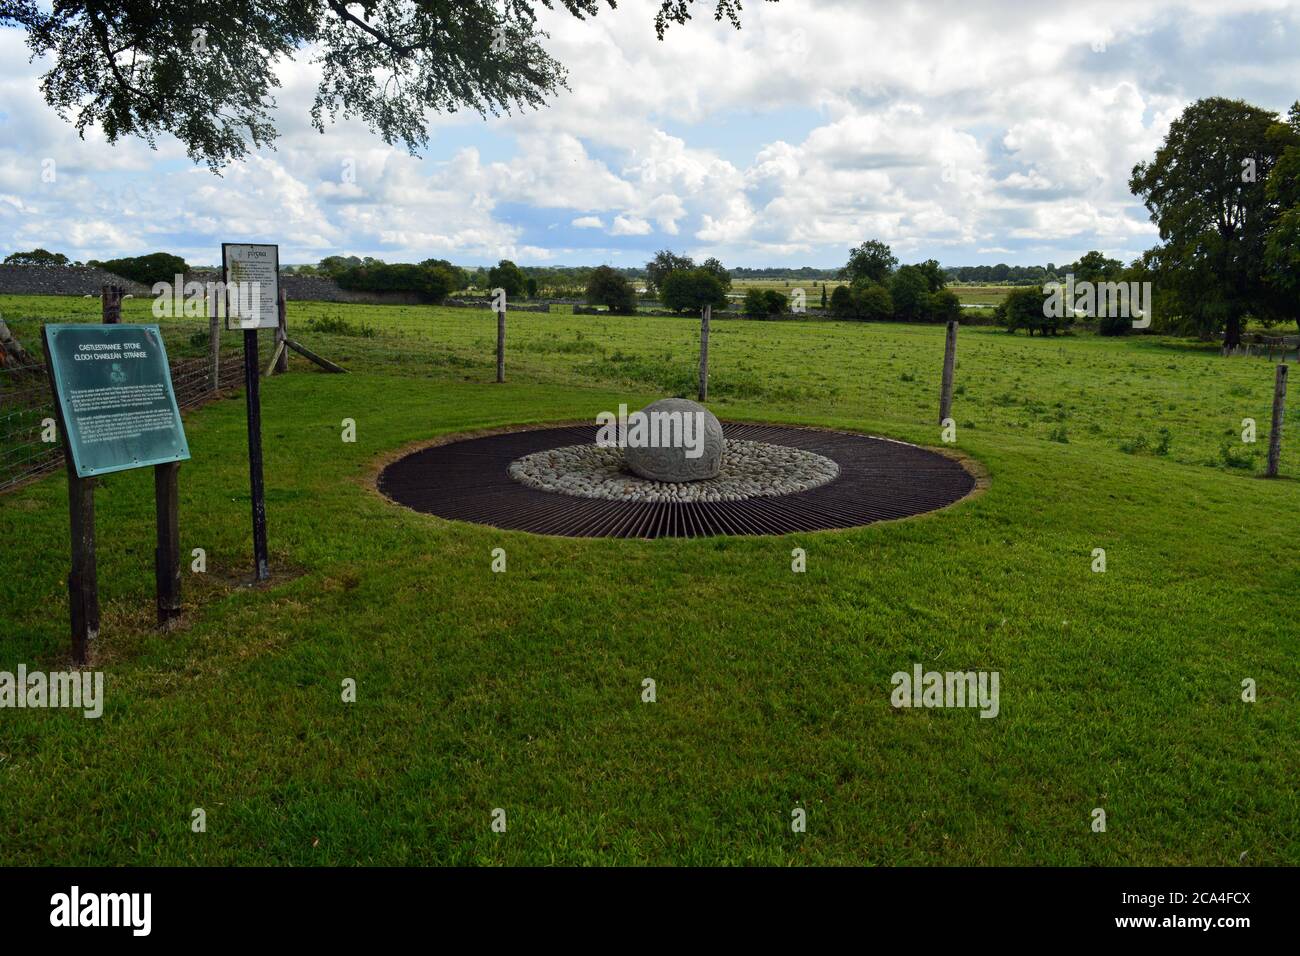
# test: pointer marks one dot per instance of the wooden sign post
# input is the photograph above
(116, 410)
(251, 277)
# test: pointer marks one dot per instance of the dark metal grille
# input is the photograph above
(879, 480)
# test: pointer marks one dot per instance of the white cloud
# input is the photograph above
(958, 131)
(630, 226)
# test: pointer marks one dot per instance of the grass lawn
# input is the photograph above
(522, 690)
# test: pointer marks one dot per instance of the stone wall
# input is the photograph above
(321, 289)
(62, 280)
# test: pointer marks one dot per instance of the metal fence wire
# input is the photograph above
(27, 413)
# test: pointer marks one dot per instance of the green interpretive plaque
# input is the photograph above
(114, 392)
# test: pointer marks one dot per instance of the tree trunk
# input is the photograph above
(1232, 334)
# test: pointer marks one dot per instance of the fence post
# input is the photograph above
(705, 315)
(282, 334)
(110, 304)
(949, 365)
(501, 345)
(214, 343)
(1279, 409)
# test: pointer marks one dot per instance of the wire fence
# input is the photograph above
(29, 441)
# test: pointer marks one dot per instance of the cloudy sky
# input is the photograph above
(970, 132)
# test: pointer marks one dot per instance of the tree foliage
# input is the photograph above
(1207, 191)
(207, 72)
(1026, 309)
(664, 262)
(873, 261)
(431, 283)
(610, 288)
(458, 276)
(762, 303)
(506, 275)
(909, 287)
(155, 267)
(715, 267)
(690, 290)
(36, 257)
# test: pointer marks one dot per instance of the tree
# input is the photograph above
(842, 302)
(333, 265)
(910, 290)
(755, 303)
(690, 290)
(935, 280)
(430, 283)
(715, 267)
(944, 306)
(761, 303)
(610, 288)
(36, 257)
(664, 262)
(1094, 267)
(459, 277)
(872, 260)
(155, 267)
(1282, 250)
(872, 302)
(506, 275)
(207, 72)
(1024, 308)
(1205, 190)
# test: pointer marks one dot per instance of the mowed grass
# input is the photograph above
(522, 690)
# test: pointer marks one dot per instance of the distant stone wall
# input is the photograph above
(62, 280)
(487, 304)
(321, 289)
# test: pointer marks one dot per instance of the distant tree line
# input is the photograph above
(881, 290)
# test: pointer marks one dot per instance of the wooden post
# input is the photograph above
(110, 304)
(949, 365)
(252, 395)
(705, 315)
(167, 555)
(1279, 409)
(307, 353)
(214, 343)
(281, 334)
(501, 345)
(83, 579)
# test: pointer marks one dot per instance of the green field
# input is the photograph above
(522, 690)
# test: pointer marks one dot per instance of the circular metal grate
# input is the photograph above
(879, 480)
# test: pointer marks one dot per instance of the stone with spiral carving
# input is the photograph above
(671, 463)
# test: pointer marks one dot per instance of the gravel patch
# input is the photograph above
(750, 469)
